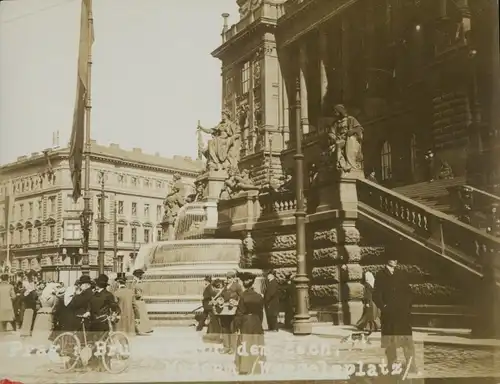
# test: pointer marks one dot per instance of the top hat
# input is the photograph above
(208, 279)
(121, 279)
(84, 279)
(120, 275)
(138, 273)
(102, 280)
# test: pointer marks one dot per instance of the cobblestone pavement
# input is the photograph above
(181, 354)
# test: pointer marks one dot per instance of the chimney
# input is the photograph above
(57, 138)
(225, 27)
(114, 145)
(53, 139)
(137, 150)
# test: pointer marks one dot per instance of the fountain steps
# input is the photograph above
(174, 280)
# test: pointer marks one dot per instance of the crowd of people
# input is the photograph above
(35, 307)
(386, 308)
(236, 313)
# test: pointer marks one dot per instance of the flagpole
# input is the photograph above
(87, 211)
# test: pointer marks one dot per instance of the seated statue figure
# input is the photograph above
(223, 149)
(345, 138)
(174, 199)
(237, 182)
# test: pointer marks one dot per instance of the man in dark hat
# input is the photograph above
(102, 305)
(392, 294)
(207, 297)
(80, 304)
(145, 325)
(272, 301)
(128, 307)
(231, 293)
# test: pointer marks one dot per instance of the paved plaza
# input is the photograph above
(180, 354)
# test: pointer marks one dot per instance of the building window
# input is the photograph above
(245, 77)
(21, 211)
(120, 233)
(40, 208)
(134, 235)
(158, 212)
(134, 181)
(413, 153)
(30, 236)
(158, 235)
(121, 179)
(72, 231)
(146, 235)
(21, 236)
(2, 239)
(146, 210)
(385, 157)
(120, 207)
(30, 210)
(52, 233)
(147, 183)
(134, 209)
(159, 184)
(39, 235)
(52, 204)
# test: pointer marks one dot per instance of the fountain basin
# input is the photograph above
(173, 282)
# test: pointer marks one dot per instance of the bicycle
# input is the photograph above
(66, 349)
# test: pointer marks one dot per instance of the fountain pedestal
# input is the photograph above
(168, 229)
(213, 182)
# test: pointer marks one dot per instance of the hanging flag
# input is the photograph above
(82, 89)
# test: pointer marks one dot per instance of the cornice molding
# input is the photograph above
(259, 26)
(61, 156)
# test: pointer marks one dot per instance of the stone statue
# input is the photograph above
(198, 194)
(345, 137)
(249, 251)
(223, 149)
(174, 200)
(237, 182)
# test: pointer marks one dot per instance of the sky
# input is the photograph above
(153, 76)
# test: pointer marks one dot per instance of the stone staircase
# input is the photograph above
(433, 194)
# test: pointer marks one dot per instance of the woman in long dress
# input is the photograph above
(370, 320)
(249, 317)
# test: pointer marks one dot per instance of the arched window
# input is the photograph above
(385, 157)
(413, 153)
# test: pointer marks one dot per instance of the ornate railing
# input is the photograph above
(277, 202)
(438, 231)
(477, 208)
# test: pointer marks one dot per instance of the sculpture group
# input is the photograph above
(223, 150)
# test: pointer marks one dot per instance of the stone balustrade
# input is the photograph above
(477, 208)
(450, 237)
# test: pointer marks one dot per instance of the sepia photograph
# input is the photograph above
(249, 191)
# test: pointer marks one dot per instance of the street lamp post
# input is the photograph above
(302, 320)
(86, 224)
(102, 223)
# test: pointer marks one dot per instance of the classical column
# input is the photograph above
(323, 57)
(303, 88)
